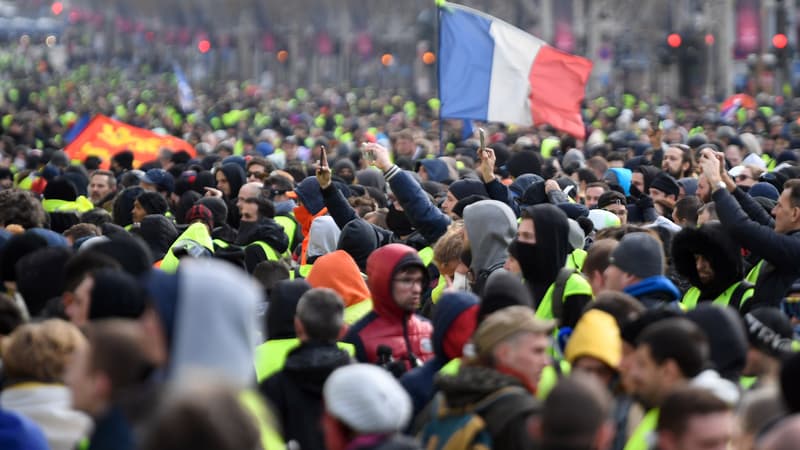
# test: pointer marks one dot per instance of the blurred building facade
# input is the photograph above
(723, 45)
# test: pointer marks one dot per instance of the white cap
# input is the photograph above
(367, 398)
(603, 219)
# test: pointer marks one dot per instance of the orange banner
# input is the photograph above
(104, 137)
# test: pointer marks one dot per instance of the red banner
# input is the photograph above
(104, 137)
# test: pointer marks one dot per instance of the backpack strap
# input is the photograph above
(560, 285)
(738, 294)
(497, 415)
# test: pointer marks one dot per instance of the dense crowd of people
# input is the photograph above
(339, 270)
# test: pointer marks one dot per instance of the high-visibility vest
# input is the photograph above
(439, 289)
(752, 276)
(576, 259)
(80, 205)
(738, 292)
(550, 376)
(576, 285)
(254, 404)
(452, 367)
(353, 313)
(645, 432)
(270, 356)
(290, 228)
(426, 255)
(197, 233)
(271, 254)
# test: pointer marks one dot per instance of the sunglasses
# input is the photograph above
(259, 175)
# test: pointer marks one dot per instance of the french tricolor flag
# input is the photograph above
(492, 71)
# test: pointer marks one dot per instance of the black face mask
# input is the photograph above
(536, 266)
(347, 175)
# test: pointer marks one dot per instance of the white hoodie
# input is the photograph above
(49, 405)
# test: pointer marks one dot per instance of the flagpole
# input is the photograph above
(437, 45)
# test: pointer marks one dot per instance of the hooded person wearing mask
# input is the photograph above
(713, 264)
(359, 239)
(230, 178)
(339, 272)
(222, 233)
(262, 238)
(311, 205)
(490, 226)
(454, 321)
(397, 279)
(345, 169)
(541, 248)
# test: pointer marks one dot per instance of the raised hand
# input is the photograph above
(323, 171)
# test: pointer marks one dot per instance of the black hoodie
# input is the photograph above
(158, 232)
(265, 230)
(300, 383)
(359, 239)
(282, 307)
(541, 262)
(236, 178)
(712, 242)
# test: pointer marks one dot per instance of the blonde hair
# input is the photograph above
(450, 245)
(41, 351)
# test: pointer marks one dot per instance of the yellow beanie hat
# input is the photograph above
(596, 335)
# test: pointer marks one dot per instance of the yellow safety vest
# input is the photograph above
(752, 276)
(254, 404)
(439, 289)
(271, 254)
(643, 435)
(724, 299)
(576, 259)
(197, 232)
(80, 205)
(290, 228)
(550, 376)
(271, 355)
(426, 255)
(354, 313)
(576, 285)
(452, 367)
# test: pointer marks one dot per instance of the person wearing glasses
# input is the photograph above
(393, 334)
(258, 169)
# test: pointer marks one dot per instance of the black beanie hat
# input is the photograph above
(153, 203)
(458, 209)
(466, 187)
(60, 188)
(219, 210)
(666, 184)
(503, 289)
(116, 294)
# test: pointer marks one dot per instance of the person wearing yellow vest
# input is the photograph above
(262, 238)
(195, 241)
(668, 355)
(63, 204)
(295, 392)
(712, 262)
(694, 418)
(339, 272)
(541, 248)
(270, 356)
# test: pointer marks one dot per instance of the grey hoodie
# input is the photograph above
(215, 323)
(491, 226)
(323, 237)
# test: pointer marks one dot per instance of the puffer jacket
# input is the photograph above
(406, 333)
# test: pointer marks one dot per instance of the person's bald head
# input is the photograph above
(250, 190)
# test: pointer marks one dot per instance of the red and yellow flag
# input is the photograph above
(104, 137)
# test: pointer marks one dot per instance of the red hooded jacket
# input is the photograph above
(407, 334)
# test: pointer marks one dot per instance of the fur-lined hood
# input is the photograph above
(717, 247)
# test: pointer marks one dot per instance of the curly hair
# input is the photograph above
(41, 351)
(22, 208)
